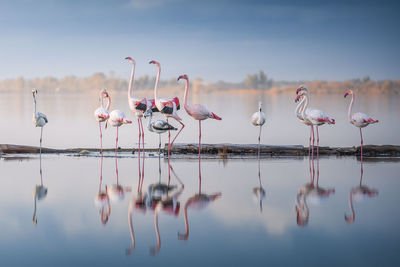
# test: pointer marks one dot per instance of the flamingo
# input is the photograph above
(314, 116)
(259, 192)
(101, 114)
(167, 107)
(359, 193)
(138, 106)
(358, 119)
(39, 119)
(197, 111)
(258, 119)
(298, 113)
(158, 126)
(116, 119)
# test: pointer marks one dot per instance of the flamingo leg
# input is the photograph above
(116, 144)
(259, 140)
(141, 124)
(169, 138)
(317, 144)
(139, 138)
(199, 139)
(41, 135)
(159, 144)
(101, 140)
(173, 140)
(309, 144)
(312, 154)
(362, 142)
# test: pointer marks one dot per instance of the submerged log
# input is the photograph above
(223, 150)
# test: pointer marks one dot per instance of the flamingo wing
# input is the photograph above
(163, 125)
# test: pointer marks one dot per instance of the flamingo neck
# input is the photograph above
(34, 220)
(130, 88)
(186, 235)
(350, 107)
(303, 113)
(108, 103)
(156, 84)
(157, 231)
(299, 108)
(34, 101)
(185, 96)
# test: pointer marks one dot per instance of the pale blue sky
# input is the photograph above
(215, 40)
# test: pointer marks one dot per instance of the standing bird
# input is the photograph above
(116, 119)
(101, 114)
(258, 119)
(298, 113)
(138, 106)
(39, 119)
(197, 111)
(167, 107)
(158, 126)
(358, 119)
(315, 116)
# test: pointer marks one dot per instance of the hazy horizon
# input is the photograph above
(223, 40)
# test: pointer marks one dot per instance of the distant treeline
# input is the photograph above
(255, 82)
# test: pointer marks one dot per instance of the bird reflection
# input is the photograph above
(197, 202)
(358, 194)
(259, 191)
(39, 193)
(164, 197)
(102, 199)
(311, 192)
(116, 191)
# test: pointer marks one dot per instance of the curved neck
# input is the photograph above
(156, 248)
(303, 113)
(298, 110)
(130, 88)
(108, 103)
(186, 93)
(350, 107)
(156, 84)
(34, 101)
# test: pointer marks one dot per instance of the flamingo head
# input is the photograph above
(184, 76)
(155, 63)
(131, 60)
(301, 88)
(259, 105)
(350, 92)
(34, 91)
(148, 113)
(104, 93)
(300, 96)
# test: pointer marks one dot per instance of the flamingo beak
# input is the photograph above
(153, 62)
(298, 90)
(180, 77)
(297, 98)
(346, 94)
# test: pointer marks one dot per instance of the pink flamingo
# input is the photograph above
(358, 119)
(168, 107)
(138, 106)
(314, 116)
(116, 119)
(197, 111)
(101, 114)
(298, 113)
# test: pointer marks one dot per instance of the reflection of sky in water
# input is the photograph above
(230, 231)
(72, 124)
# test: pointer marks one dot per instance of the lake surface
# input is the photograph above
(232, 229)
(311, 213)
(72, 124)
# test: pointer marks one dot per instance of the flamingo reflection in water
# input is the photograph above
(39, 193)
(197, 202)
(259, 192)
(102, 199)
(311, 192)
(358, 194)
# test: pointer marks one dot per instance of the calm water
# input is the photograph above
(303, 219)
(72, 124)
(232, 230)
